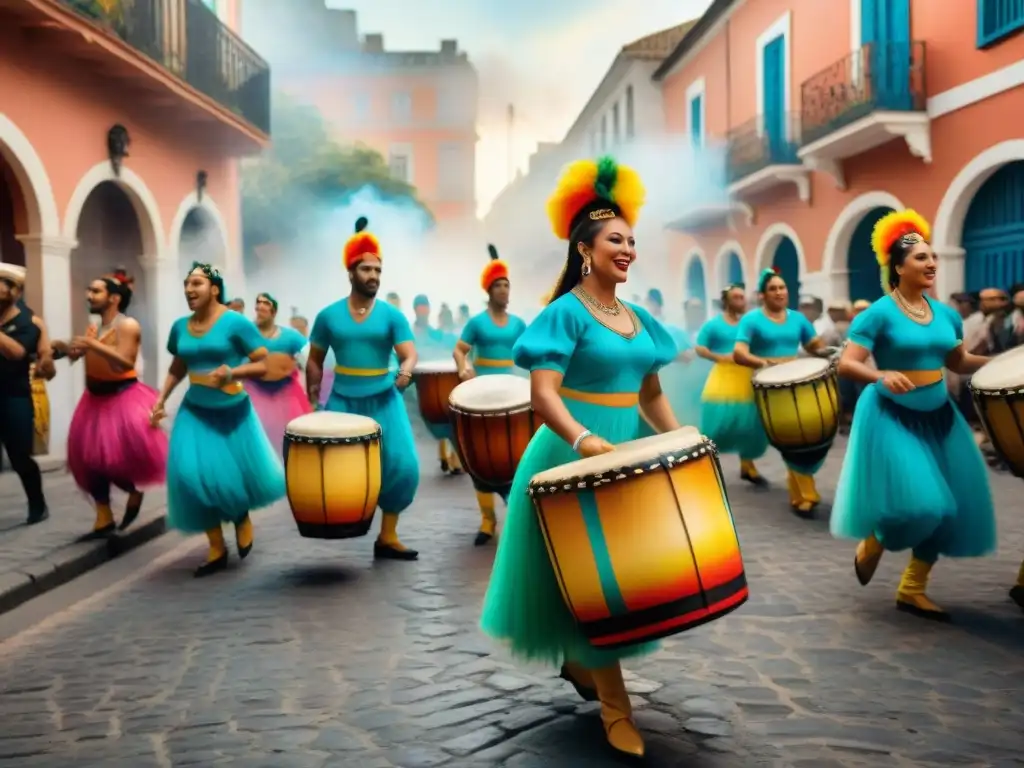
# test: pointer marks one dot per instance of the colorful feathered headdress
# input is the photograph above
(599, 188)
(496, 269)
(908, 226)
(360, 245)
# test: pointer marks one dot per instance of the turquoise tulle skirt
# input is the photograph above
(728, 413)
(524, 605)
(220, 467)
(400, 466)
(915, 479)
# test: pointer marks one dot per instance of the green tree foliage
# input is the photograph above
(303, 174)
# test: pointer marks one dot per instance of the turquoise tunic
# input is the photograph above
(524, 604)
(492, 343)
(728, 412)
(366, 386)
(221, 464)
(913, 474)
(769, 339)
(287, 341)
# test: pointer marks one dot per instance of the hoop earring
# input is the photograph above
(585, 272)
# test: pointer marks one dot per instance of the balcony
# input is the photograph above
(172, 55)
(864, 100)
(761, 157)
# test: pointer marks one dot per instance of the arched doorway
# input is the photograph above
(733, 269)
(786, 262)
(993, 234)
(865, 280)
(13, 218)
(695, 285)
(110, 235)
(201, 240)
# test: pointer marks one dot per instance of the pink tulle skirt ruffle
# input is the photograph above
(111, 439)
(277, 406)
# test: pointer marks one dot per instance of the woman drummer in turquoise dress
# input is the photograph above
(485, 348)
(771, 334)
(433, 345)
(728, 412)
(593, 363)
(220, 465)
(913, 477)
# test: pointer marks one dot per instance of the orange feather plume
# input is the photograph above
(892, 227)
(495, 270)
(360, 245)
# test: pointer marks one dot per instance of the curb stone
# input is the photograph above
(70, 562)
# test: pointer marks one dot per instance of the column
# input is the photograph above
(49, 258)
(164, 299)
(952, 261)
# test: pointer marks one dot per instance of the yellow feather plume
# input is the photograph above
(585, 181)
(892, 227)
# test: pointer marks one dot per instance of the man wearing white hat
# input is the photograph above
(19, 339)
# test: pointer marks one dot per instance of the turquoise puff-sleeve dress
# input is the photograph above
(491, 343)
(913, 475)
(220, 464)
(524, 605)
(728, 412)
(278, 402)
(775, 341)
(364, 384)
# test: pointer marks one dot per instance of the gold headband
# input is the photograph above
(603, 213)
(911, 238)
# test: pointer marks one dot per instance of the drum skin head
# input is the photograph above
(1002, 372)
(434, 366)
(630, 454)
(801, 369)
(328, 424)
(500, 392)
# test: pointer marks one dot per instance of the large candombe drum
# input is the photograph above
(799, 406)
(998, 392)
(492, 423)
(333, 471)
(434, 384)
(641, 539)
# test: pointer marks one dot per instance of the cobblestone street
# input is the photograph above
(310, 654)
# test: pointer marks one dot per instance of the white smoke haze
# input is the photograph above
(310, 274)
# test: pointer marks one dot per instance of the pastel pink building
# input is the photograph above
(121, 125)
(834, 113)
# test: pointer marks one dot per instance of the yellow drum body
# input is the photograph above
(642, 539)
(333, 473)
(998, 392)
(799, 407)
(41, 407)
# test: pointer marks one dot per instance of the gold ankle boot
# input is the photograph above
(1017, 591)
(488, 518)
(616, 711)
(869, 555)
(911, 596)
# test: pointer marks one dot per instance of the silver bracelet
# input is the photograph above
(583, 436)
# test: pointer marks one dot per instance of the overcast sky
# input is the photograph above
(545, 57)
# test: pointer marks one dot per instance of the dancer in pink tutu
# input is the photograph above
(111, 441)
(280, 396)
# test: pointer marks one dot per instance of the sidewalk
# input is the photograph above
(35, 559)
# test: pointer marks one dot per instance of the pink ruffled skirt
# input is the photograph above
(277, 404)
(111, 439)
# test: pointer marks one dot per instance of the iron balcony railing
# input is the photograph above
(878, 76)
(187, 39)
(762, 142)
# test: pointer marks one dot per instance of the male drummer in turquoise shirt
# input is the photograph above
(489, 338)
(362, 332)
